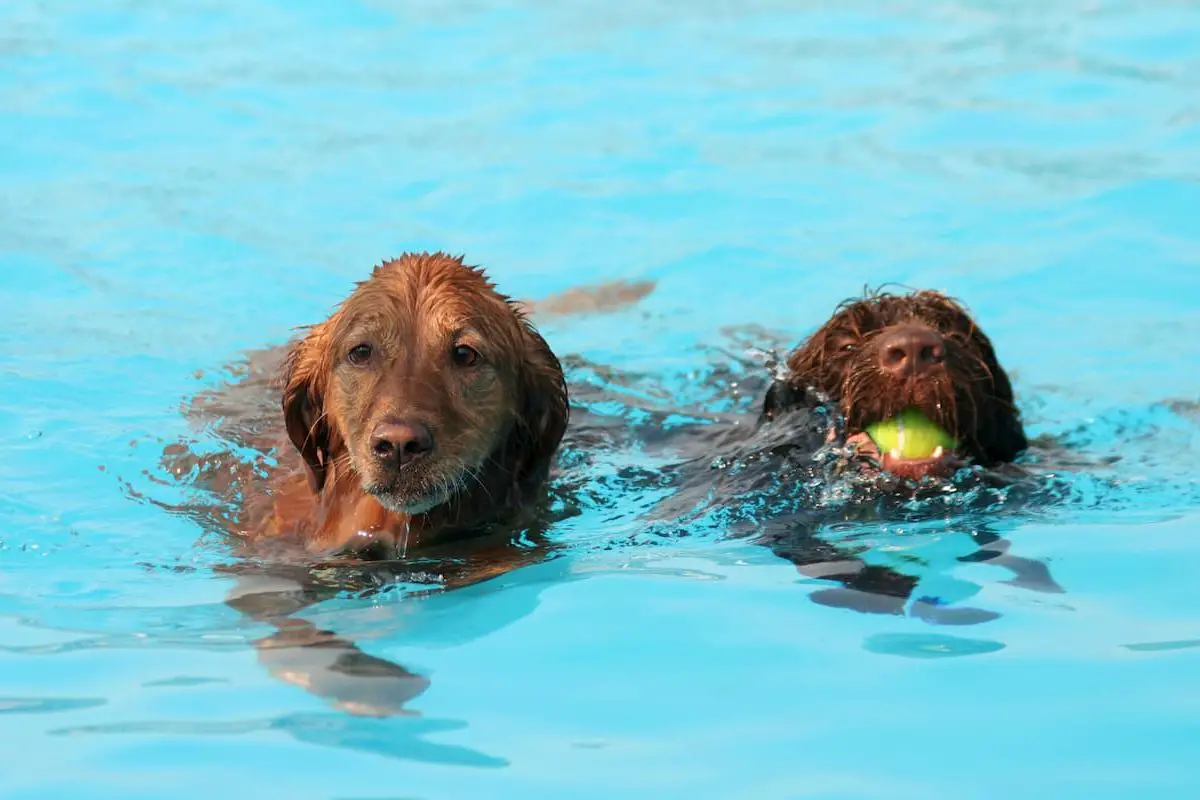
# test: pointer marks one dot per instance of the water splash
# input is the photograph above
(771, 358)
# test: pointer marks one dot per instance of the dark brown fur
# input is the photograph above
(968, 394)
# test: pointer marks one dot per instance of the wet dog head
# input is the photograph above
(881, 354)
(425, 386)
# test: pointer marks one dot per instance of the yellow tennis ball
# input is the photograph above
(911, 434)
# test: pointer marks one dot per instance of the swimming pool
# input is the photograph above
(183, 183)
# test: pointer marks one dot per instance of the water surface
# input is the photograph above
(184, 183)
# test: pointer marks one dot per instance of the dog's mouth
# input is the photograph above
(403, 501)
(410, 493)
(909, 445)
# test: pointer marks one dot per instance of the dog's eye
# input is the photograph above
(846, 345)
(464, 356)
(359, 354)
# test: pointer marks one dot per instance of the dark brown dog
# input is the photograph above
(426, 406)
(884, 352)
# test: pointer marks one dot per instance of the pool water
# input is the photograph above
(186, 182)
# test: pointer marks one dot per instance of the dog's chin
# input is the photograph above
(400, 503)
(404, 500)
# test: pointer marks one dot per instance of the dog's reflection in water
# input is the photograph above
(331, 665)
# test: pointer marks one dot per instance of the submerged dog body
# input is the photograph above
(425, 407)
(878, 355)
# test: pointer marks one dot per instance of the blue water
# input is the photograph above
(185, 182)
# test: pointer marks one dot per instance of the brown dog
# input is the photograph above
(423, 414)
(425, 407)
(884, 352)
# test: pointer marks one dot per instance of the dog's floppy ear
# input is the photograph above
(1001, 433)
(542, 414)
(304, 381)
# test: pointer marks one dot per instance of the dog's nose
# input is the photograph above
(909, 350)
(399, 443)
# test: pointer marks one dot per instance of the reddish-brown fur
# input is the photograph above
(495, 423)
(444, 351)
(966, 391)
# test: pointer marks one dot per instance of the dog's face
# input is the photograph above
(879, 355)
(423, 385)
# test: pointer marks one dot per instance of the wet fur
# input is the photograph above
(497, 425)
(970, 395)
(312, 489)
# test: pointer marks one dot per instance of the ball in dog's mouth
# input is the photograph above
(909, 444)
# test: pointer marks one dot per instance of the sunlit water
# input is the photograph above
(185, 182)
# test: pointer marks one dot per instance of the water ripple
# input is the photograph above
(47, 705)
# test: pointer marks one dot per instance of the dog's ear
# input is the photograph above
(1005, 435)
(305, 375)
(542, 414)
(1001, 434)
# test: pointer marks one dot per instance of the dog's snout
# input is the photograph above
(400, 443)
(910, 350)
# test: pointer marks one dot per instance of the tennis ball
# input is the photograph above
(911, 434)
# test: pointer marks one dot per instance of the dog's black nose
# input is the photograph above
(400, 443)
(909, 350)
